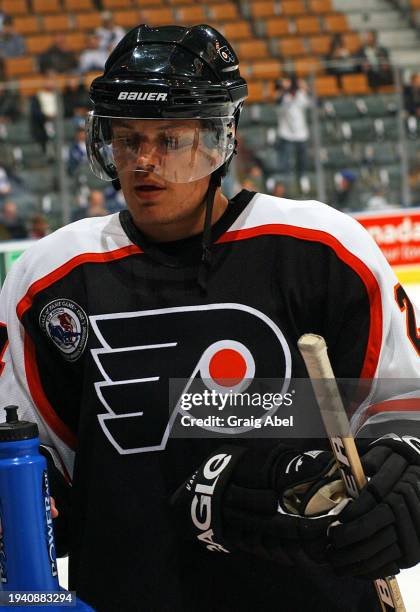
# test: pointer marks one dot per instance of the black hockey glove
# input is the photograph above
(277, 505)
(379, 533)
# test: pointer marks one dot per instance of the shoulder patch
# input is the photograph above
(66, 324)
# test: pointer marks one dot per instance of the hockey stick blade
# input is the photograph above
(314, 352)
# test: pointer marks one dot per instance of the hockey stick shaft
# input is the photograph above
(314, 352)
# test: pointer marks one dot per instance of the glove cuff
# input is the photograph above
(407, 446)
(199, 500)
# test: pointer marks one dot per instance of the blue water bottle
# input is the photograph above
(27, 551)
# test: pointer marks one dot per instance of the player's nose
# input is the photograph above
(148, 155)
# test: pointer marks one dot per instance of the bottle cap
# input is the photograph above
(13, 429)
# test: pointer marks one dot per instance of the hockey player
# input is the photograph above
(166, 290)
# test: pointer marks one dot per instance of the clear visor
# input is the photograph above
(178, 150)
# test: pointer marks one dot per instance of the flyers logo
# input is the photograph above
(142, 351)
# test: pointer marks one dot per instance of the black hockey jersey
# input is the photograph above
(99, 321)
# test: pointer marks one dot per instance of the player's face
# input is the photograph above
(162, 209)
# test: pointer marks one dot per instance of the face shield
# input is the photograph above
(177, 150)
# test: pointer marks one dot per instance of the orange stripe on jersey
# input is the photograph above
(405, 304)
(4, 342)
(58, 273)
(40, 399)
(368, 278)
(411, 404)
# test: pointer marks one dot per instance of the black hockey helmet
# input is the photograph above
(171, 72)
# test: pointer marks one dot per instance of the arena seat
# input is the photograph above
(319, 45)
(307, 25)
(73, 6)
(89, 76)
(318, 7)
(237, 30)
(352, 41)
(110, 5)
(26, 25)
(292, 47)
(56, 23)
(28, 86)
(17, 66)
(76, 41)
(277, 26)
(326, 85)
(264, 8)
(87, 21)
(146, 3)
(38, 44)
(336, 24)
(267, 69)
(179, 2)
(260, 91)
(126, 19)
(46, 6)
(225, 11)
(293, 7)
(355, 84)
(157, 16)
(306, 66)
(14, 7)
(190, 14)
(252, 49)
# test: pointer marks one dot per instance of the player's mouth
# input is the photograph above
(148, 190)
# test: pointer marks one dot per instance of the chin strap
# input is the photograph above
(206, 256)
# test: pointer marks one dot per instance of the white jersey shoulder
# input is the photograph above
(91, 235)
(309, 215)
(399, 359)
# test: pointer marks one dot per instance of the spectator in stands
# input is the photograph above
(92, 58)
(114, 200)
(279, 190)
(11, 43)
(378, 200)
(293, 132)
(77, 152)
(10, 106)
(57, 57)
(339, 59)
(412, 96)
(374, 61)
(76, 101)
(108, 33)
(12, 222)
(5, 185)
(43, 112)
(254, 180)
(344, 182)
(95, 207)
(38, 226)
(2, 18)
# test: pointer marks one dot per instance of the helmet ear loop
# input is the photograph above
(215, 182)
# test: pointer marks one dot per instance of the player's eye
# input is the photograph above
(176, 142)
(133, 141)
(128, 141)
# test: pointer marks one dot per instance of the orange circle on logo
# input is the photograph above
(227, 367)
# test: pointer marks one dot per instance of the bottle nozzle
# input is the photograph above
(11, 414)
